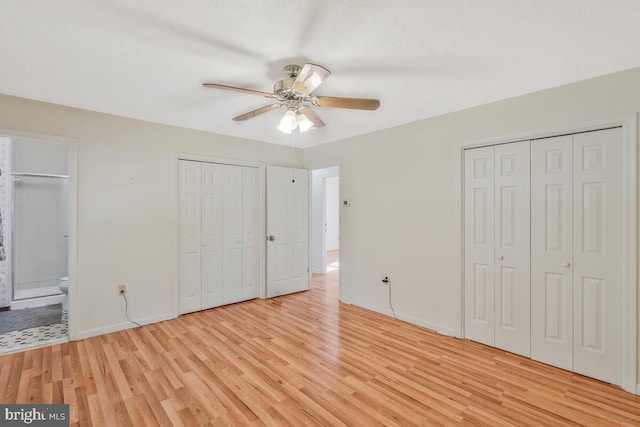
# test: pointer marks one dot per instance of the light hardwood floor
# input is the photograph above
(302, 359)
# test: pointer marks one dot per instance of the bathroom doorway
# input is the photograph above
(34, 242)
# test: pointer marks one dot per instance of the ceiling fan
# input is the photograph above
(295, 94)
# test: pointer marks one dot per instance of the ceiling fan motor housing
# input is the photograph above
(283, 86)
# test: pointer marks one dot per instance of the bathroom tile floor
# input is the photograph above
(34, 337)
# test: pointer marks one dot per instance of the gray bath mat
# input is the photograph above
(16, 320)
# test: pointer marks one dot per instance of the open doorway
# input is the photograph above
(332, 223)
(34, 242)
(325, 223)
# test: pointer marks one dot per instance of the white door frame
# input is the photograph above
(323, 235)
(261, 223)
(629, 125)
(72, 188)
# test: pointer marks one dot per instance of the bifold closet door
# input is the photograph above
(512, 247)
(190, 236)
(200, 235)
(218, 220)
(250, 238)
(240, 258)
(212, 243)
(479, 245)
(552, 251)
(576, 249)
(497, 245)
(232, 234)
(597, 250)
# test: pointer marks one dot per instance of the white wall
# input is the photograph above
(316, 224)
(403, 184)
(127, 215)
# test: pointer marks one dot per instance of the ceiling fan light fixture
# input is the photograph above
(288, 122)
(304, 124)
(295, 93)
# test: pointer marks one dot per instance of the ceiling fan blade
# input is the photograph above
(309, 78)
(238, 89)
(252, 114)
(311, 115)
(351, 103)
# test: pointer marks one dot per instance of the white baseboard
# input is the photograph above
(442, 330)
(385, 311)
(122, 326)
(638, 389)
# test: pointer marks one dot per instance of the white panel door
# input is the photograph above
(250, 239)
(552, 251)
(190, 235)
(597, 166)
(512, 248)
(288, 229)
(479, 245)
(211, 235)
(232, 247)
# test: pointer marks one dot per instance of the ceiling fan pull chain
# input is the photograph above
(293, 153)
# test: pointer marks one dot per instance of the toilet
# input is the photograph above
(63, 285)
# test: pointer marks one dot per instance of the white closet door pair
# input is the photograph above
(497, 246)
(543, 269)
(576, 191)
(218, 217)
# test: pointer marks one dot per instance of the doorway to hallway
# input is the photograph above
(325, 223)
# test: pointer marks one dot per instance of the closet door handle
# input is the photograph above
(566, 264)
(500, 257)
(204, 245)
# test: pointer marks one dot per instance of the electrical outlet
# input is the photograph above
(122, 289)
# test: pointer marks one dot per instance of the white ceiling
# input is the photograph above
(147, 59)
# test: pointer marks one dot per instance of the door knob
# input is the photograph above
(566, 264)
(500, 257)
(272, 238)
(204, 245)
